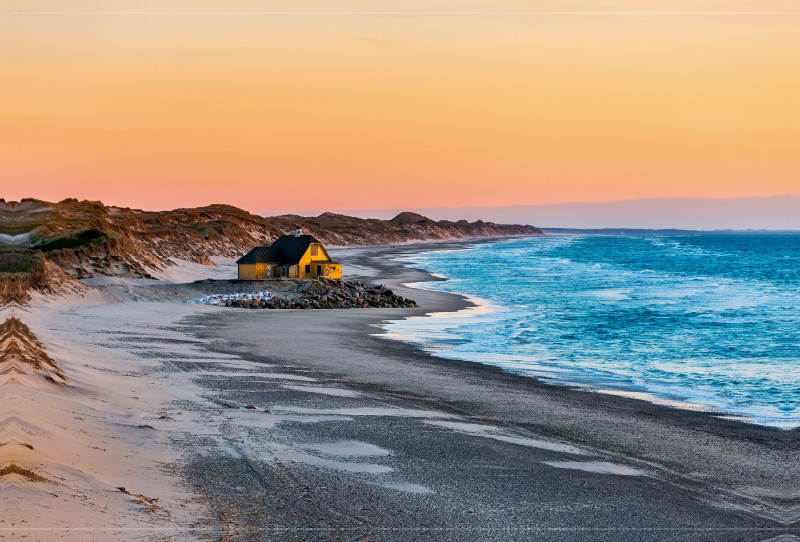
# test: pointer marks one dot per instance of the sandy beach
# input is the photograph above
(192, 422)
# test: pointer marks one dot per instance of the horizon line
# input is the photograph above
(562, 203)
(411, 13)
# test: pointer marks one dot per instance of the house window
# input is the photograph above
(308, 269)
(314, 250)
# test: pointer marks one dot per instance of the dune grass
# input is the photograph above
(19, 260)
(74, 241)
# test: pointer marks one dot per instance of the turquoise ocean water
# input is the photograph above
(710, 321)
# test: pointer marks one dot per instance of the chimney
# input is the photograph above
(297, 230)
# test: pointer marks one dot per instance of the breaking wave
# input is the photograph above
(707, 321)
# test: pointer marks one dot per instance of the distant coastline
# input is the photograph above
(780, 212)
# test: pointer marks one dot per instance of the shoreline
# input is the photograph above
(607, 384)
(734, 454)
(598, 382)
(468, 302)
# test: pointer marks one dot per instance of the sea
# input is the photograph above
(698, 321)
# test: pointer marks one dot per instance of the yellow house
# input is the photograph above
(292, 256)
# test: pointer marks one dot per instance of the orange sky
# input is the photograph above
(308, 111)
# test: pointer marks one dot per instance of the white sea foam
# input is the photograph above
(700, 322)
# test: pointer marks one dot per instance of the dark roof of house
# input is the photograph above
(262, 255)
(293, 247)
(286, 250)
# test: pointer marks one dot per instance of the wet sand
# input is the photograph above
(305, 425)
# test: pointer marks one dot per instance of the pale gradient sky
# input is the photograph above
(298, 111)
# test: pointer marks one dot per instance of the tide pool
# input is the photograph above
(707, 321)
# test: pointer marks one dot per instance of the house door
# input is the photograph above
(261, 270)
(319, 270)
